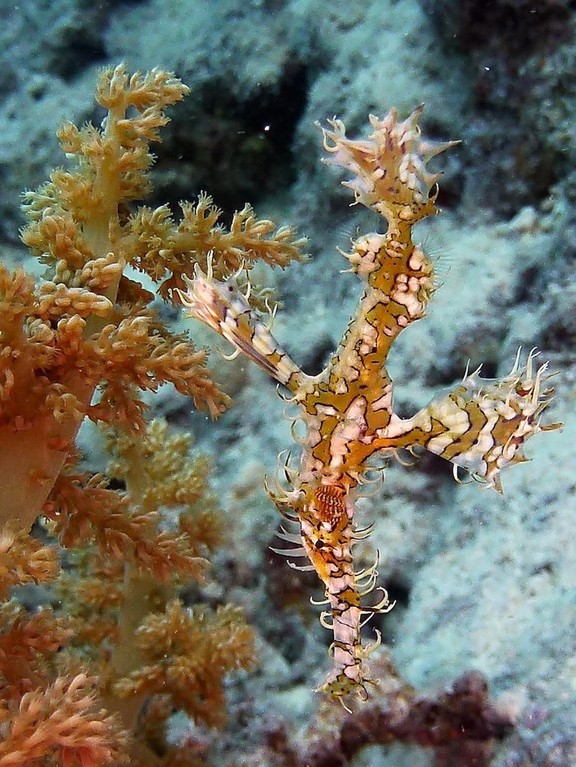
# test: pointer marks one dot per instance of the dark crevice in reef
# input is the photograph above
(515, 54)
(515, 28)
(238, 149)
(386, 623)
(77, 40)
(75, 52)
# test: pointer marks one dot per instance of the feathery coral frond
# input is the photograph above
(27, 644)
(24, 559)
(64, 720)
(83, 510)
(167, 251)
(189, 652)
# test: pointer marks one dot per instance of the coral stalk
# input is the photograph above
(74, 224)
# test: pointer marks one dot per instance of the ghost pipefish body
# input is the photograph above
(480, 425)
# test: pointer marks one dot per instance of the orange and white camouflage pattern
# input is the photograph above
(480, 425)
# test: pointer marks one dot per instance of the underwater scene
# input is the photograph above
(287, 383)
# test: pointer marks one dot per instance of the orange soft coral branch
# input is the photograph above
(84, 510)
(27, 643)
(63, 720)
(25, 560)
(74, 223)
(85, 342)
(87, 325)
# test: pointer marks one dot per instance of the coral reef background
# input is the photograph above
(481, 581)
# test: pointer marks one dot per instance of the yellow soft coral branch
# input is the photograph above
(184, 660)
(162, 248)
